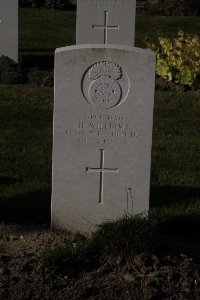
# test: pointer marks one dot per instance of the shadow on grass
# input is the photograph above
(9, 180)
(35, 208)
(181, 209)
(32, 208)
(170, 195)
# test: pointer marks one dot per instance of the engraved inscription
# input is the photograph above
(106, 3)
(102, 170)
(105, 85)
(102, 129)
(106, 27)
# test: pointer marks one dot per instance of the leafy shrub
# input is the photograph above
(178, 59)
(168, 8)
(58, 255)
(40, 78)
(54, 4)
(192, 7)
(60, 4)
(10, 72)
(70, 254)
(128, 235)
(174, 7)
(32, 3)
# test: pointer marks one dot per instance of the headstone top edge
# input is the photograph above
(107, 46)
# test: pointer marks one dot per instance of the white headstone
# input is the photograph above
(9, 28)
(106, 22)
(103, 116)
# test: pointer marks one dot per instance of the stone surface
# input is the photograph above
(9, 28)
(103, 115)
(106, 22)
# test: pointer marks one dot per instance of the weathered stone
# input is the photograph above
(105, 22)
(103, 117)
(9, 28)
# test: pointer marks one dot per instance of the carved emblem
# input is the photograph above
(105, 85)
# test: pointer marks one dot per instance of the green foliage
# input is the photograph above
(128, 235)
(26, 155)
(31, 3)
(192, 7)
(162, 7)
(42, 39)
(40, 78)
(174, 8)
(54, 4)
(178, 59)
(60, 253)
(70, 253)
(168, 8)
(10, 72)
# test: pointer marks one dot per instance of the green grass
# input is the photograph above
(176, 154)
(42, 30)
(45, 29)
(26, 148)
(122, 238)
(26, 127)
(70, 255)
(128, 235)
(151, 26)
(25, 153)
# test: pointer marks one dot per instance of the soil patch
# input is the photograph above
(142, 276)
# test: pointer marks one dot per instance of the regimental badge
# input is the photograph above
(105, 85)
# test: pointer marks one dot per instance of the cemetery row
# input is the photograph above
(37, 46)
(100, 28)
(103, 116)
(105, 127)
(151, 7)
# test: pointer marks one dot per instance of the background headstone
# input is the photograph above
(9, 28)
(103, 115)
(106, 22)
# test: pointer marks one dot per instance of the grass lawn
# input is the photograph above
(25, 152)
(26, 115)
(175, 185)
(151, 26)
(42, 30)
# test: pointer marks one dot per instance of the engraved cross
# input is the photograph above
(105, 27)
(102, 170)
